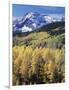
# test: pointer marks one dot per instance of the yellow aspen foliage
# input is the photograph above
(37, 65)
(26, 62)
(35, 58)
(59, 56)
(51, 66)
(48, 54)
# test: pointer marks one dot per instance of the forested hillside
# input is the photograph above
(52, 36)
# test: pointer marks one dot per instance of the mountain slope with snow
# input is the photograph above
(31, 21)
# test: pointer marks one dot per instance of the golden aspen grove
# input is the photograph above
(36, 66)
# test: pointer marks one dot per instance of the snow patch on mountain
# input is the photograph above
(26, 29)
(31, 21)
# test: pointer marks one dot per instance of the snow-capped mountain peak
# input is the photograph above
(31, 21)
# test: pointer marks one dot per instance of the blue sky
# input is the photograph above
(20, 10)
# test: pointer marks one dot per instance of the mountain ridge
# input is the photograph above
(31, 21)
(45, 28)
